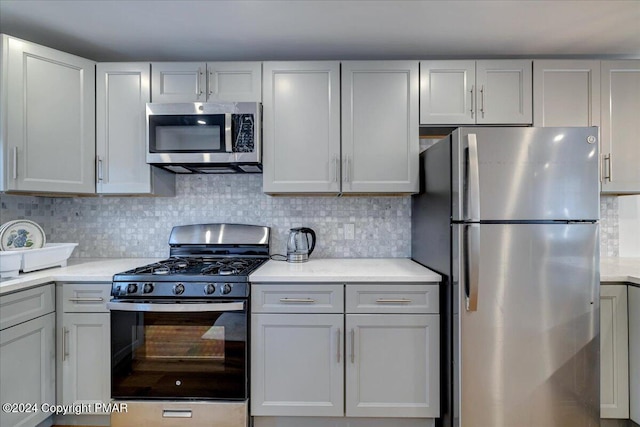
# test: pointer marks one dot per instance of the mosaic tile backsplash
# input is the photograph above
(140, 226)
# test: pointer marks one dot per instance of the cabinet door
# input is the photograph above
(27, 368)
(620, 126)
(566, 93)
(504, 92)
(301, 127)
(614, 367)
(50, 128)
(447, 92)
(634, 353)
(234, 81)
(297, 365)
(380, 127)
(85, 356)
(178, 82)
(122, 91)
(392, 366)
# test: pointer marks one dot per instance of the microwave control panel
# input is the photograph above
(242, 126)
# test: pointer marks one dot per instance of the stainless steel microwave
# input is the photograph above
(205, 137)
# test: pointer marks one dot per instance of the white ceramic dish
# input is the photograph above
(20, 235)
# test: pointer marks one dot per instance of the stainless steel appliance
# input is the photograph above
(205, 137)
(509, 216)
(298, 246)
(179, 340)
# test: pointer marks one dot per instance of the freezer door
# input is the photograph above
(526, 352)
(526, 174)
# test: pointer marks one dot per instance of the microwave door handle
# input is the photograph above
(227, 133)
(176, 307)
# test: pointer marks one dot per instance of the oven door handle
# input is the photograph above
(177, 307)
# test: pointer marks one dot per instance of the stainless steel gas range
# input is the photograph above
(179, 329)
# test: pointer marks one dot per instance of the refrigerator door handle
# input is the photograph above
(473, 179)
(472, 258)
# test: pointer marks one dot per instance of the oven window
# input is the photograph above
(186, 134)
(179, 355)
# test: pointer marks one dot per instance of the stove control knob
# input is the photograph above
(209, 288)
(178, 289)
(225, 289)
(148, 288)
(132, 288)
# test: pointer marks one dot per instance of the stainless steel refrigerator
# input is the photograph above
(509, 217)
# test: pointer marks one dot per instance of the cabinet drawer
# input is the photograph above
(297, 298)
(85, 297)
(26, 305)
(392, 298)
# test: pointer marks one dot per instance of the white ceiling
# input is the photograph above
(182, 30)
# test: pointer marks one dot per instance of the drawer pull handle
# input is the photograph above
(338, 344)
(176, 413)
(304, 300)
(393, 301)
(87, 299)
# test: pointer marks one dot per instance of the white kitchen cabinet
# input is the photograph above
(122, 91)
(634, 353)
(206, 81)
(620, 145)
(27, 355)
(84, 343)
(301, 127)
(383, 364)
(392, 367)
(380, 142)
(297, 365)
(462, 92)
(48, 120)
(614, 351)
(566, 93)
(305, 150)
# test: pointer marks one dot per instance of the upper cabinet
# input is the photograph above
(122, 91)
(476, 92)
(305, 149)
(566, 93)
(301, 127)
(620, 131)
(206, 82)
(380, 141)
(47, 120)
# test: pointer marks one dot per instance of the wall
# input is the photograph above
(140, 226)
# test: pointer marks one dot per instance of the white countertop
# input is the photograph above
(315, 270)
(77, 270)
(620, 270)
(344, 270)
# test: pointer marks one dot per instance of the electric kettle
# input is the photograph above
(298, 246)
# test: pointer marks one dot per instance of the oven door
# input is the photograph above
(179, 350)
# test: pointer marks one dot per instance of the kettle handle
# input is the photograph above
(313, 238)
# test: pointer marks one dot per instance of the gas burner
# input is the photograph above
(227, 271)
(161, 270)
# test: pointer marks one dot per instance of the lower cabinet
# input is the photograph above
(27, 356)
(392, 365)
(84, 349)
(297, 364)
(614, 352)
(312, 357)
